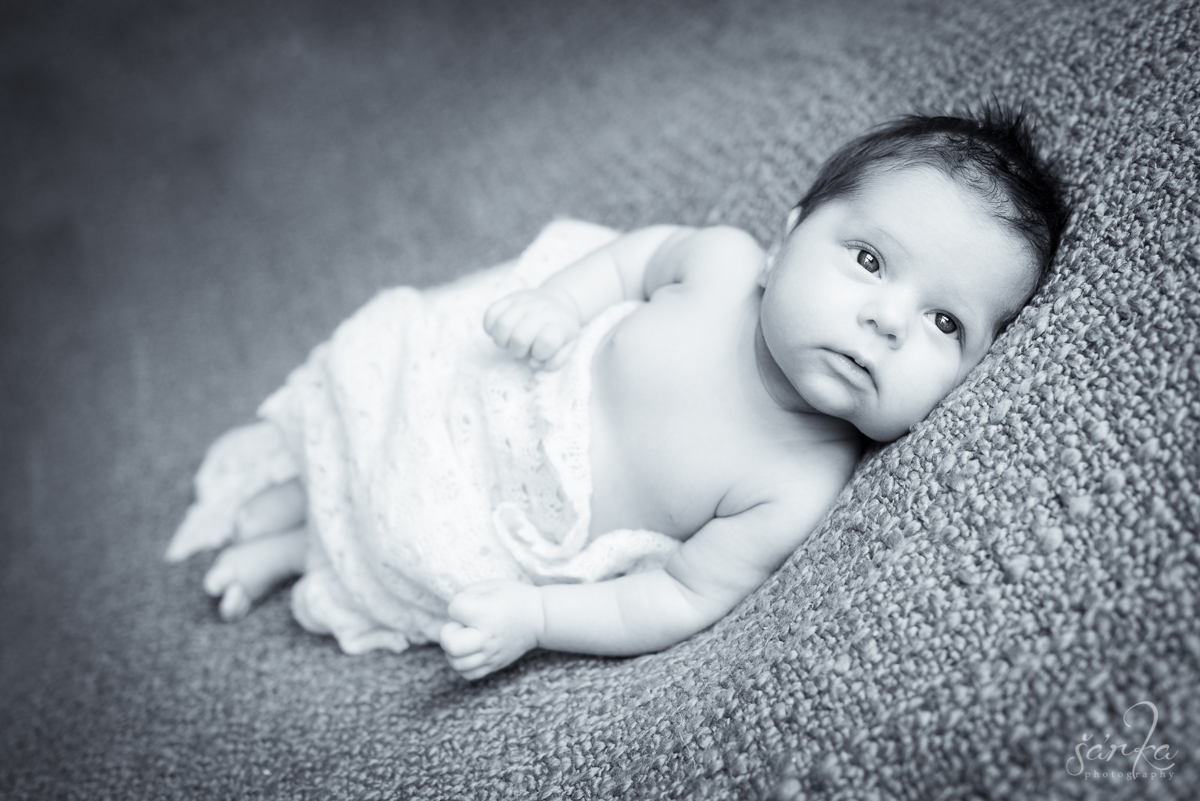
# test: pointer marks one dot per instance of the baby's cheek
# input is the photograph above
(901, 410)
(936, 390)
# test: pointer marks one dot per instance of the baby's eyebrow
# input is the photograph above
(876, 232)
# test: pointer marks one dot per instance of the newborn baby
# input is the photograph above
(685, 409)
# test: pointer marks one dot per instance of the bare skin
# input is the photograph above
(717, 416)
(273, 549)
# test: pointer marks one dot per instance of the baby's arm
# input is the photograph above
(540, 323)
(496, 622)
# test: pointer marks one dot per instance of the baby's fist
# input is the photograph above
(536, 324)
(493, 623)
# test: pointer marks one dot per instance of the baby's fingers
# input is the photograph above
(472, 666)
(523, 336)
(465, 651)
(460, 641)
(503, 322)
(495, 312)
(555, 361)
(548, 342)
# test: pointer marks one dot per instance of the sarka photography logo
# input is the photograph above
(1150, 761)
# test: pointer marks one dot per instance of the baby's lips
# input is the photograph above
(860, 361)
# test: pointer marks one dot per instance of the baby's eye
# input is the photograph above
(868, 261)
(945, 323)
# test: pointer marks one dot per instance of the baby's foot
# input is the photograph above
(281, 507)
(243, 573)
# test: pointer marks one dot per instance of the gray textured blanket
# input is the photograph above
(195, 193)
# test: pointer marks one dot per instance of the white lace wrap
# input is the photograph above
(433, 460)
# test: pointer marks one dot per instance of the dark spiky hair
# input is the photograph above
(990, 150)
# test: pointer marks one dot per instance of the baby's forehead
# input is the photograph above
(910, 179)
(898, 196)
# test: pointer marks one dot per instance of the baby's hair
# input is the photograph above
(990, 150)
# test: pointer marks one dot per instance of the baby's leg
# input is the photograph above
(274, 549)
(244, 572)
(275, 509)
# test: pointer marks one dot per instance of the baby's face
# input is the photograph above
(881, 303)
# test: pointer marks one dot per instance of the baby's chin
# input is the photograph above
(876, 422)
(887, 425)
(874, 426)
(830, 398)
(885, 428)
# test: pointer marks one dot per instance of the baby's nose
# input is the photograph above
(887, 320)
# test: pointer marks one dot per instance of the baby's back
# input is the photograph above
(683, 429)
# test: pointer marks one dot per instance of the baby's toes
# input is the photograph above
(220, 576)
(235, 604)
(222, 581)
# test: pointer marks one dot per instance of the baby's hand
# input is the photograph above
(539, 324)
(493, 623)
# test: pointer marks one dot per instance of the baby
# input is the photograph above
(676, 411)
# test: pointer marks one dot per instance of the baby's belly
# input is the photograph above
(659, 460)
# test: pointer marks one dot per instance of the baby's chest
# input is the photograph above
(667, 443)
(666, 472)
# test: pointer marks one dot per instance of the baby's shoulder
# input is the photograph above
(719, 255)
(729, 239)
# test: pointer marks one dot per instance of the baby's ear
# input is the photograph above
(793, 219)
(768, 264)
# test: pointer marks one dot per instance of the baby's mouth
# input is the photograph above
(858, 363)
